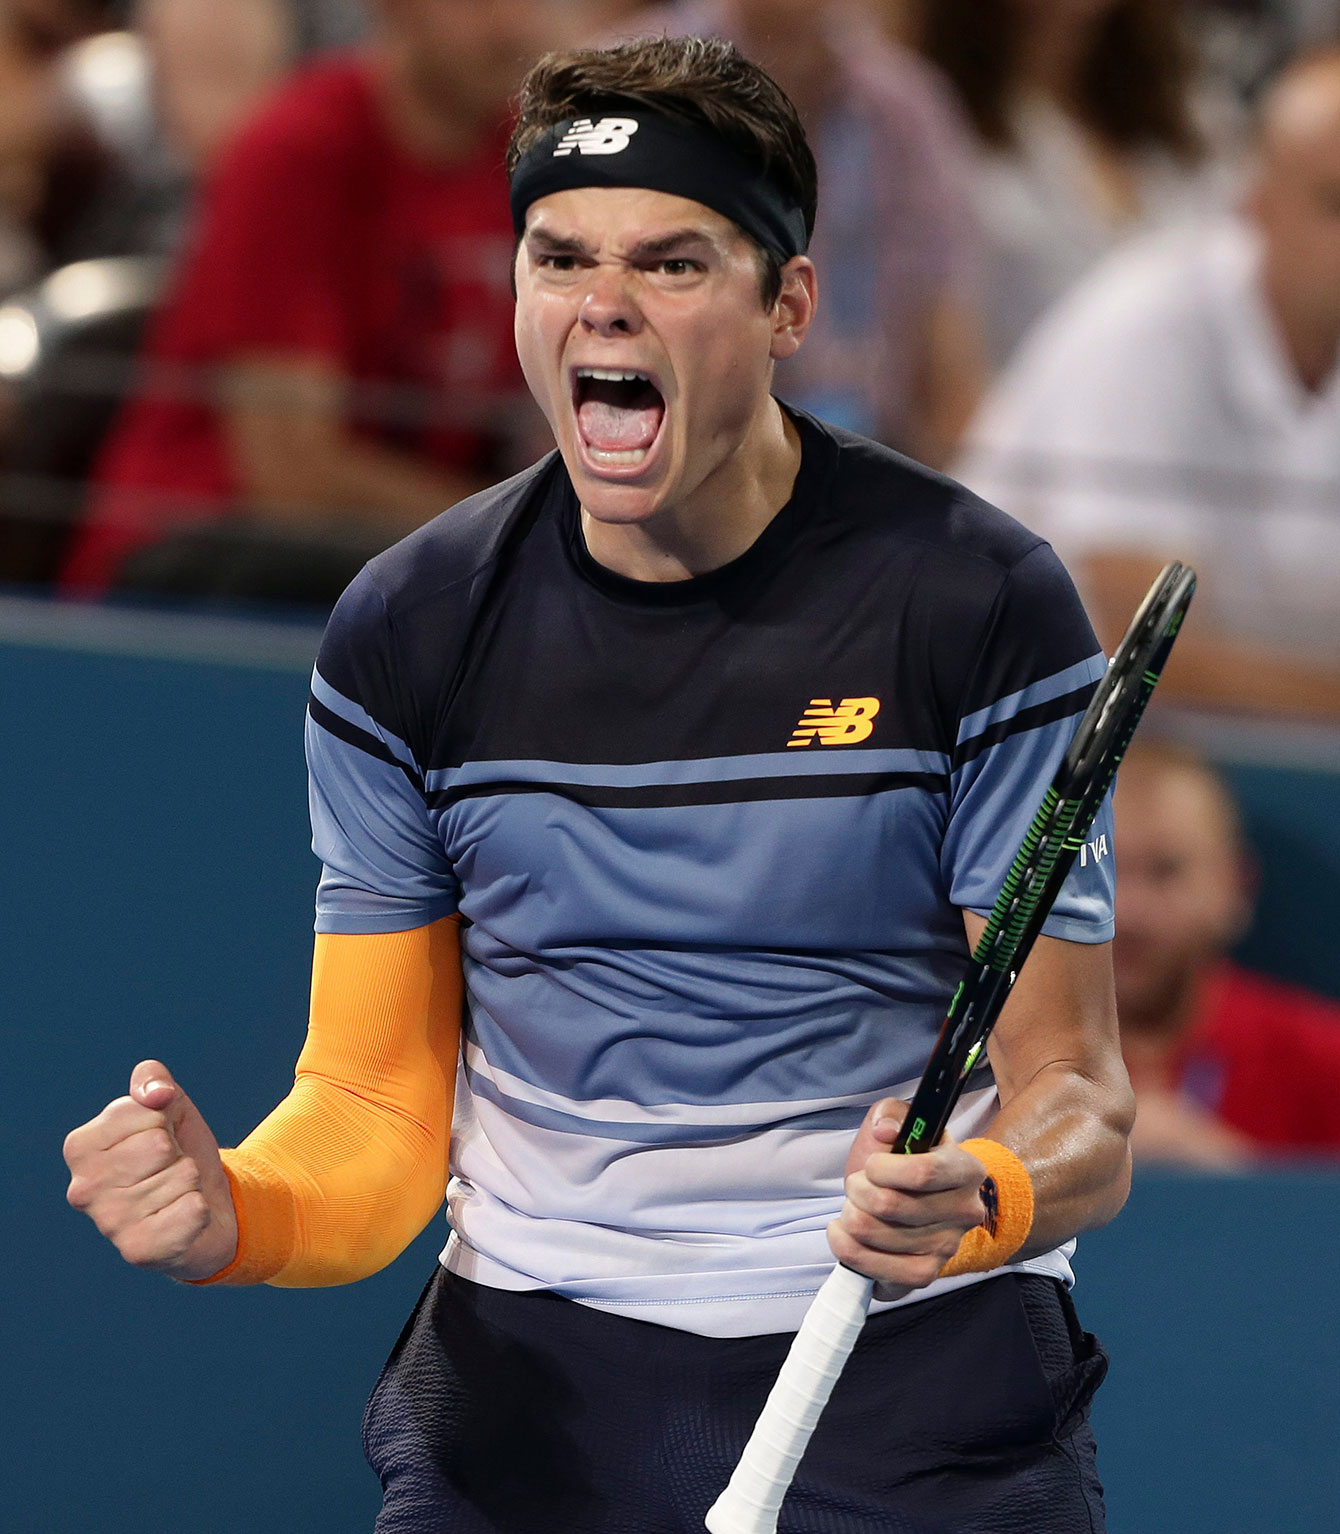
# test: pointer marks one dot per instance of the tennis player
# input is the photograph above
(659, 792)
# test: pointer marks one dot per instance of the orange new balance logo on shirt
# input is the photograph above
(852, 720)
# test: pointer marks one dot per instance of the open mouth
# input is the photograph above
(619, 415)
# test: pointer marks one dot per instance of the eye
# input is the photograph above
(556, 262)
(678, 266)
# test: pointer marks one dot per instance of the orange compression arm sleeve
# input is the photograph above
(352, 1165)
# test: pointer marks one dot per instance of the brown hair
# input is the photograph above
(701, 80)
(1134, 80)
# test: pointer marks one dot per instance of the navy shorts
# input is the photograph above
(507, 1413)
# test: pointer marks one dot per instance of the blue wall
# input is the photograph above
(1292, 819)
(156, 899)
(1216, 1299)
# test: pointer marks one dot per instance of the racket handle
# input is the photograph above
(752, 1500)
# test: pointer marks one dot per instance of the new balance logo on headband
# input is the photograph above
(609, 136)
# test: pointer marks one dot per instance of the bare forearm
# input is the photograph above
(1072, 1134)
(352, 481)
(1212, 668)
(1066, 1102)
(299, 462)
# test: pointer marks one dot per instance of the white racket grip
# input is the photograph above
(753, 1498)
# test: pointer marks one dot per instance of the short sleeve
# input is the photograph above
(384, 868)
(1036, 668)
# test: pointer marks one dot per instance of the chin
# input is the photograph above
(617, 498)
(618, 505)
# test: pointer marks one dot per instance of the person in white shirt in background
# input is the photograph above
(1185, 403)
(1091, 127)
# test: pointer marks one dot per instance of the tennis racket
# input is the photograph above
(751, 1502)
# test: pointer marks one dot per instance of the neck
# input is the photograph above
(722, 518)
(421, 123)
(1311, 342)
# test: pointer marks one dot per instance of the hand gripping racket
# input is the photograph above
(751, 1502)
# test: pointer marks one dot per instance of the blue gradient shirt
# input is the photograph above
(710, 842)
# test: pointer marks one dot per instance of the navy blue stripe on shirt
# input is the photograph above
(1043, 691)
(731, 791)
(352, 735)
(1067, 705)
(759, 764)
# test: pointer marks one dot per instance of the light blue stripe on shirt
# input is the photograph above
(1054, 686)
(660, 1132)
(351, 713)
(722, 769)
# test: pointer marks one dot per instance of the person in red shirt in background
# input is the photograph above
(1228, 1066)
(334, 362)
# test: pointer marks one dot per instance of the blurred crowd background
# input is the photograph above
(255, 324)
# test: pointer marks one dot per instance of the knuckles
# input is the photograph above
(157, 1249)
(917, 1173)
(128, 1139)
(905, 1270)
(159, 1147)
(886, 1204)
(865, 1228)
(920, 1270)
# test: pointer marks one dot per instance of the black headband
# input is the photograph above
(634, 147)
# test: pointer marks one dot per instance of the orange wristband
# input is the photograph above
(1007, 1193)
(266, 1222)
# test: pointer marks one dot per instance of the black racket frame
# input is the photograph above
(1054, 839)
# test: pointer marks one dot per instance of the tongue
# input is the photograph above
(614, 428)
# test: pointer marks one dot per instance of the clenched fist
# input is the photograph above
(904, 1216)
(147, 1172)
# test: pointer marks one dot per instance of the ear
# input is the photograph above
(793, 312)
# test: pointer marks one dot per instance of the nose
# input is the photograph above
(610, 306)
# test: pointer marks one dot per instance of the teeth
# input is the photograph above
(625, 455)
(613, 375)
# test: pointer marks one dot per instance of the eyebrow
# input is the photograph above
(657, 248)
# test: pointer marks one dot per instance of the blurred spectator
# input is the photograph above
(1226, 1064)
(212, 63)
(895, 349)
(1084, 117)
(51, 164)
(1186, 404)
(320, 25)
(212, 66)
(148, 111)
(1312, 23)
(1242, 44)
(335, 362)
(595, 16)
(102, 128)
